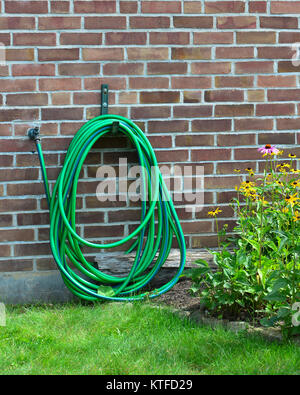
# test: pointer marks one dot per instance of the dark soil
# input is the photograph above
(180, 297)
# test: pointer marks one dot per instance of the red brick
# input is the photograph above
(95, 7)
(191, 82)
(26, 54)
(194, 140)
(289, 37)
(167, 68)
(5, 130)
(59, 84)
(62, 113)
(148, 53)
(86, 98)
(288, 67)
(103, 53)
(257, 6)
(236, 22)
(26, 7)
(254, 67)
(77, 69)
(275, 22)
(283, 94)
(253, 124)
(225, 140)
(275, 109)
(234, 82)
(192, 96)
(191, 53)
(192, 111)
(14, 265)
(98, 22)
(149, 22)
(150, 112)
(17, 23)
(148, 83)
(123, 68)
(276, 138)
(34, 39)
(211, 125)
(168, 126)
(6, 161)
(285, 7)
(6, 220)
(246, 154)
(16, 235)
(224, 95)
(33, 70)
(159, 97)
(192, 7)
(261, 37)
(172, 156)
(59, 23)
(194, 227)
(60, 54)
(276, 81)
(11, 205)
(210, 154)
(234, 110)
(193, 22)
(159, 7)
(211, 68)
(234, 53)
(104, 231)
(128, 7)
(126, 38)
(5, 39)
(32, 249)
(115, 83)
(218, 7)
(213, 37)
(61, 98)
(128, 98)
(19, 113)
(288, 123)
(275, 52)
(60, 7)
(177, 38)
(81, 39)
(27, 99)
(229, 167)
(18, 85)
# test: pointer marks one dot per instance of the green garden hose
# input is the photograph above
(153, 238)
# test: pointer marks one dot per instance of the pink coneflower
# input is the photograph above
(269, 150)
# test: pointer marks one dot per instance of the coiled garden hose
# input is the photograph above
(153, 241)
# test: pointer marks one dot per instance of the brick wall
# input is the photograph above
(208, 81)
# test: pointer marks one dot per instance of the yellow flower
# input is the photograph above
(292, 200)
(293, 156)
(295, 184)
(285, 210)
(248, 184)
(295, 171)
(263, 201)
(237, 170)
(296, 216)
(215, 212)
(280, 183)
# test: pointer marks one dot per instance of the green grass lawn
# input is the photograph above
(121, 339)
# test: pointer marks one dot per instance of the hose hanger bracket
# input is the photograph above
(104, 99)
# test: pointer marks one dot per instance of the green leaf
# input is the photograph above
(105, 290)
